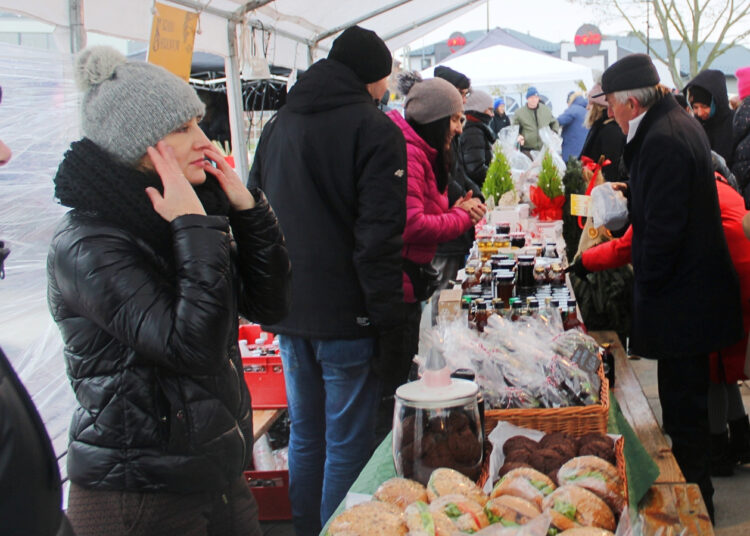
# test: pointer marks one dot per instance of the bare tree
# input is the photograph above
(691, 24)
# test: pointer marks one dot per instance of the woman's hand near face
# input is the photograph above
(239, 196)
(179, 198)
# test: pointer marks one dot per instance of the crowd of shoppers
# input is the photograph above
(164, 248)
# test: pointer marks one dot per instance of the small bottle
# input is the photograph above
(472, 317)
(486, 278)
(436, 372)
(608, 362)
(482, 315)
(498, 306)
(470, 279)
(571, 316)
(532, 307)
(516, 309)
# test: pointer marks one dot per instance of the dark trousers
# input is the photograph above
(683, 394)
(230, 512)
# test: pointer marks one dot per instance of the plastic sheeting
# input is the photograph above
(38, 120)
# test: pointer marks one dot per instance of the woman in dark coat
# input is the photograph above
(707, 96)
(604, 138)
(146, 276)
(477, 137)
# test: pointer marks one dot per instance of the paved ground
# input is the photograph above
(731, 493)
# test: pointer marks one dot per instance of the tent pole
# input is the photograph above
(234, 101)
(77, 29)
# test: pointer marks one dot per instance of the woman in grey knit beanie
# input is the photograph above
(164, 247)
(433, 115)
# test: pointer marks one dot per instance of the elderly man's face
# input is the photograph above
(533, 101)
(623, 112)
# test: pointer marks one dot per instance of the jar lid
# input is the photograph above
(526, 258)
(459, 392)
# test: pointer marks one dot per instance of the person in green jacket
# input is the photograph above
(530, 119)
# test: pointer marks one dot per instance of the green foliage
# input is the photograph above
(549, 180)
(573, 183)
(498, 180)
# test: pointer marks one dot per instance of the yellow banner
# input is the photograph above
(172, 36)
(579, 204)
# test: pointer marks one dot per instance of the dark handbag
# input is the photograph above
(424, 279)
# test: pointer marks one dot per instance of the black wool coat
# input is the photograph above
(605, 138)
(686, 293)
(718, 127)
(334, 169)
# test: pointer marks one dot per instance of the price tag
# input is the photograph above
(579, 205)
(585, 359)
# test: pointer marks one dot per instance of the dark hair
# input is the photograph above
(435, 133)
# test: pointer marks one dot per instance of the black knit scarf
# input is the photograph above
(90, 180)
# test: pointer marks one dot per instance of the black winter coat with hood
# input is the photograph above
(476, 146)
(150, 344)
(718, 126)
(334, 169)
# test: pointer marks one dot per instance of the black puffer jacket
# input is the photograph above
(151, 345)
(718, 126)
(741, 161)
(334, 169)
(476, 146)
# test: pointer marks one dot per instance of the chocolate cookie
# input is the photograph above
(509, 466)
(519, 455)
(557, 437)
(598, 438)
(465, 446)
(546, 460)
(599, 449)
(519, 441)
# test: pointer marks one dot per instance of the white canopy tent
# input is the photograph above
(39, 113)
(513, 68)
(291, 33)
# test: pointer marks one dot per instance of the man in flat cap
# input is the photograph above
(686, 294)
(334, 169)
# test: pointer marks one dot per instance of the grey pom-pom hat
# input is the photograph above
(130, 105)
(432, 99)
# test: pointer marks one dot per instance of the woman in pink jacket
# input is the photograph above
(433, 112)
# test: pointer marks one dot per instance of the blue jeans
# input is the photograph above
(333, 397)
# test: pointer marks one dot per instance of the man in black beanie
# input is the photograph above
(680, 256)
(334, 169)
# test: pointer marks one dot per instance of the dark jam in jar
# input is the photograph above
(525, 271)
(504, 286)
(571, 317)
(482, 315)
(517, 240)
(503, 227)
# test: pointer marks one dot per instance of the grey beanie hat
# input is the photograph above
(432, 99)
(130, 105)
(478, 101)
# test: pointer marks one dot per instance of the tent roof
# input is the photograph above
(514, 66)
(498, 36)
(284, 28)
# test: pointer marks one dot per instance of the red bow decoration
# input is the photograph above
(546, 209)
(595, 168)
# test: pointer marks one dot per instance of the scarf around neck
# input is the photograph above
(90, 180)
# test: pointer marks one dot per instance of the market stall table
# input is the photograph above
(671, 506)
(263, 419)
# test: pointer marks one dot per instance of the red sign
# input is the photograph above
(589, 38)
(456, 41)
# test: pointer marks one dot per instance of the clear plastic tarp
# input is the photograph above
(38, 120)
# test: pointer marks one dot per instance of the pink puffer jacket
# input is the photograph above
(429, 220)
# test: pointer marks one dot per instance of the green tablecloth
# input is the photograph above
(641, 469)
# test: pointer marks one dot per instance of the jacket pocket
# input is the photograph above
(172, 414)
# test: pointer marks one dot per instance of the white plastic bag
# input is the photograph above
(608, 207)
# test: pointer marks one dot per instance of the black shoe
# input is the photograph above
(739, 440)
(722, 464)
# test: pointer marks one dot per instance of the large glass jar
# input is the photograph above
(437, 427)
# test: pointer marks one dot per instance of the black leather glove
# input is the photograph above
(578, 268)
(391, 362)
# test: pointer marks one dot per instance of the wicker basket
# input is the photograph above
(575, 420)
